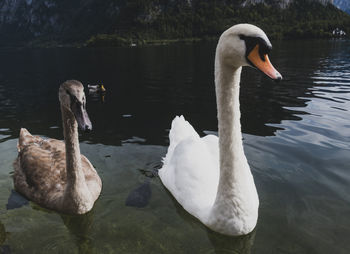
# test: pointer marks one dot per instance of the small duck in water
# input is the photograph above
(96, 88)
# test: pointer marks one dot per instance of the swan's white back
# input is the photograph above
(191, 168)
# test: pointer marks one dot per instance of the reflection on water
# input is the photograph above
(226, 244)
(80, 228)
(4, 249)
(295, 137)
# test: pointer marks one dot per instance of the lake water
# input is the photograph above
(296, 138)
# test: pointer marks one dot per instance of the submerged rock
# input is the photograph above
(16, 200)
(140, 196)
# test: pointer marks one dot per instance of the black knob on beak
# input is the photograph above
(279, 78)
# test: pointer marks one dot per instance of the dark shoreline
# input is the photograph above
(143, 43)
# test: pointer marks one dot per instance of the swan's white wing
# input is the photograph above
(191, 168)
(180, 130)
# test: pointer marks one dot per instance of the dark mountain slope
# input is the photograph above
(67, 21)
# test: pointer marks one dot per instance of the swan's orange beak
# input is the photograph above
(263, 63)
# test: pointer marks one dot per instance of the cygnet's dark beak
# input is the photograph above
(87, 128)
(82, 117)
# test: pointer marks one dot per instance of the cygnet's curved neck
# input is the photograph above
(71, 139)
(76, 189)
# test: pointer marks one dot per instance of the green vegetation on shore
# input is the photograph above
(113, 23)
(206, 20)
(113, 40)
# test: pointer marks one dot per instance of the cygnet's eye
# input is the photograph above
(76, 101)
(73, 99)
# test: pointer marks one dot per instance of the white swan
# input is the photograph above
(210, 177)
(53, 173)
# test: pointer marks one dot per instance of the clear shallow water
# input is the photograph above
(296, 139)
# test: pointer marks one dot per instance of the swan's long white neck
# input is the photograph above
(236, 196)
(233, 163)
(230, 136)
(76, 188)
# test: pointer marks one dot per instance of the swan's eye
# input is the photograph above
(251, 43)
(263, 50)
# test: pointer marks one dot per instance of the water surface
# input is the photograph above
(296, 139)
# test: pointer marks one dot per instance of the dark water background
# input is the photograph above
(296, 139)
